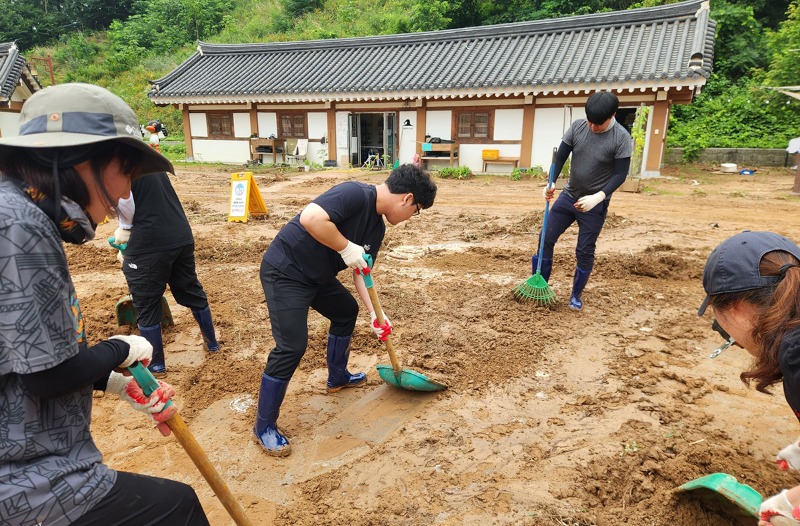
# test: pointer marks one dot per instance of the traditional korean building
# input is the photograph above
(17, 84)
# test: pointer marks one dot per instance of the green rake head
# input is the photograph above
(536, 289)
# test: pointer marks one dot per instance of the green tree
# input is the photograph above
(740, 47)
(784, 67)
(429, 15)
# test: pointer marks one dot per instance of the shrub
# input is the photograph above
(457, 172)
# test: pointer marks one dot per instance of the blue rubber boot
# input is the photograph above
(153, 335)
(578, 283)
(203, 318)
(270, 398)
(338, 375)
(547, 266)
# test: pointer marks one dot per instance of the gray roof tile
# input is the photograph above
(11, 67)
(615, 49)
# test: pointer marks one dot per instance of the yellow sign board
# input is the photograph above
(245, 198)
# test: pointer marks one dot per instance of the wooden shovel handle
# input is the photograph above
(376, 304)
(148, 383)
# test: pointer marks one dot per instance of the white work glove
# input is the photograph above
(139, 349)
(120, 257)
(777, 505)
(587, 202)
(789, 457)
(154, 406)
(353, 256)
(381, 331)
(121, 236)
(549, 191)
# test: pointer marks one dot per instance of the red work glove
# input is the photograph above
(154, 406)
(789, 457)
(381, 331)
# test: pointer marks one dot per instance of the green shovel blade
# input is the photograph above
(407, 379)
(723, 485)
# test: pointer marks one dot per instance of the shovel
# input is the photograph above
(725, 489)
(393, 375)
(148, 383)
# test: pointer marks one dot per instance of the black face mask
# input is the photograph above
(74, 224)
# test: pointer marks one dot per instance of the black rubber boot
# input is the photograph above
(153, 335)
(203, 318)
(270, 398)
(338, 375)
(578, 283)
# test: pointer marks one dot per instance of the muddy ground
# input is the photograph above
(551, 416)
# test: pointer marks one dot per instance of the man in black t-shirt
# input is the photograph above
(299, 271)
(160, 252)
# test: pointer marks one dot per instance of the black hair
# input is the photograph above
(601, 106)
(35, 168)
(409, 178)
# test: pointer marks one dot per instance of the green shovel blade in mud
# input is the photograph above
(726, 489)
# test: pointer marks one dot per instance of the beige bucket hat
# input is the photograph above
(77, 114)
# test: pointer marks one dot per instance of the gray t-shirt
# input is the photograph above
(593, 156)
(51, 472)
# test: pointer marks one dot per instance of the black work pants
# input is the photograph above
(562, 214)
(139, 500)
(288, 302)
(149, 274)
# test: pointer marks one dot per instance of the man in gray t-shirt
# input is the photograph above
(601, 155)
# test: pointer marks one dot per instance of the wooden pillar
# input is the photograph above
(796, 187)
(528, 112)
(659, 119)
(421, 126)
(187, 133)
(254, 120)
(332, 132)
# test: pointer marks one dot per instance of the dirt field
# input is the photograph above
(552, 417)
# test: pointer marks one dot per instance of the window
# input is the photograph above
(293, 125)
(220, 125)
(473, 124)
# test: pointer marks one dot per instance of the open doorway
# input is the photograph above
(372, 137)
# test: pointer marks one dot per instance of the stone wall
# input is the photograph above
(744, 157)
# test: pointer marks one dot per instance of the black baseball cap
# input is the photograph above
(734, 265)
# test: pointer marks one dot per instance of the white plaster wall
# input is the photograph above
(241, 125)
(508, 125)
(472, 155)
(267, 124)
(547, 133)
(407, 137)
(9, 124)
(197, 125)
(317, 125)
(438, 123)
(217, 151)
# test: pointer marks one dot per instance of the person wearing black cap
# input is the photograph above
(752, 284)
(77, 150)
(601, 156)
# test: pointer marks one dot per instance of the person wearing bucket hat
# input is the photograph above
(78, 148)
(752, 284)
(298, 272)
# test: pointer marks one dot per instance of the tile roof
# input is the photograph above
(656, 47)
(12, 65)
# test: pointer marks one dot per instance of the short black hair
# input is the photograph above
(601, 106)
(410, 178)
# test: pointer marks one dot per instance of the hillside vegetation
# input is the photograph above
(123, 44)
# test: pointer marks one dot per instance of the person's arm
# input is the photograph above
(381, 331)
(126, 208)
(621, 167)
(91, 366)
(562, 154)
(318, 223)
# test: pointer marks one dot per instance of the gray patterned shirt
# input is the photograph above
(51, 472)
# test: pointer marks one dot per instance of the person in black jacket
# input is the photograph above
(160, 252)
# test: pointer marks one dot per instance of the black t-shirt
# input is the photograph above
(159, 222)
(351, 207)
(789, 362)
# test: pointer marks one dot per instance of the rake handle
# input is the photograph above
(550, 179)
